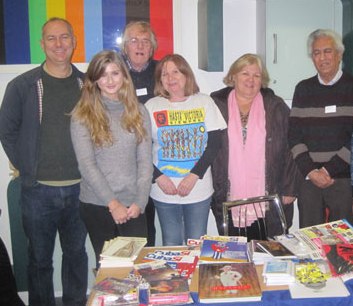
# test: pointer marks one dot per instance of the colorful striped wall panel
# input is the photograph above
(98, 24)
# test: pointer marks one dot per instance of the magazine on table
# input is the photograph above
(309, 241)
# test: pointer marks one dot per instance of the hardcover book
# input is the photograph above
(275, 249)
(224, 251)
(257, 254)
(228, 282)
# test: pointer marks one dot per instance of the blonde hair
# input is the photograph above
(90, 110)
(191, 86)
(240, 63)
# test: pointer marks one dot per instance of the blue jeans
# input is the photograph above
(180, 222)
(47, 210)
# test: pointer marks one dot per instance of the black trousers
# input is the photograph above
(151, 229)
(101, 226)
(8, 289)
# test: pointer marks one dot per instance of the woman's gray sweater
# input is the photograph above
(121, 171)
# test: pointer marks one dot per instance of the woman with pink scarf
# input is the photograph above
(254, 159)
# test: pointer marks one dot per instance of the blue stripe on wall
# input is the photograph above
(17, 46)
(114, 12)
(93, 30)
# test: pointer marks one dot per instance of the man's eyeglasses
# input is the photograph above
(135, 41)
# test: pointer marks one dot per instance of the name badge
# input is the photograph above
(141, 92)
(330, 109)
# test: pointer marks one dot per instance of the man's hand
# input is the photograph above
(321, 178)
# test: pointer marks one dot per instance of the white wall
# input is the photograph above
(239, 26)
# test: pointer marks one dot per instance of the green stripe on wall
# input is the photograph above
(37, 17)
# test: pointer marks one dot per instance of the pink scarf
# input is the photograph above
(246, 168)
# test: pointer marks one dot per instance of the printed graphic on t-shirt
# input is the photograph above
(182, 139)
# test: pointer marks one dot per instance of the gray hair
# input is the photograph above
(337, 40)
(143, 27)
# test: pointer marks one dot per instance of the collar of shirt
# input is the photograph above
(129, 65)
(333, 81)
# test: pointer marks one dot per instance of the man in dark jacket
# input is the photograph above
(35, 134)
(138, 46)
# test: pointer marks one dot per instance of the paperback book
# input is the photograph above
(228, 282)
(224, 251)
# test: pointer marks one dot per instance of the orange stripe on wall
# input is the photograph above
(74, 14)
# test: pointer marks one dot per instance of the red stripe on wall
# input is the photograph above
(161, 19)
(74, 14)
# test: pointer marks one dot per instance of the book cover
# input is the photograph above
(228, 282)
(276, 249)
(165, 283)
(279, 272)
(184, 261)
(224, 251)
(258, 255)
(278, 268)
(114, 291)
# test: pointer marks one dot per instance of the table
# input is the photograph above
(271, 295)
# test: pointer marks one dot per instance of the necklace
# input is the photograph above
(55, 74)
(244, 118)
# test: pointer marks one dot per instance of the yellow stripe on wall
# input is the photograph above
(56, 8)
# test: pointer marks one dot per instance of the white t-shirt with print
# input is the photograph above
(179, 134)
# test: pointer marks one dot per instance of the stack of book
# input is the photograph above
(183, 261)
(166, 286)
(121, 251)
(279, 272)
(228, 282)
(224, 249)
